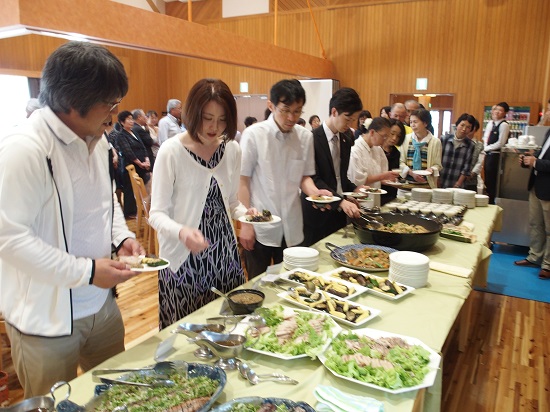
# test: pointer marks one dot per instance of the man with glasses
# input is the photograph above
(169, 125)
(332, 142)
(60, 223)
(277, 161)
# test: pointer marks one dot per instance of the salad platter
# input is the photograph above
(207, 383)
(289, 333)
(348, 313)
(382, 360)
(376, 285)
(255, 403)
(337, 287)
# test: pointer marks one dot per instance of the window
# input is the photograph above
(13, 99)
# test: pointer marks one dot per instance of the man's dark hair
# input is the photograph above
(345, 100)
(79, 75)
(467, 117)
(250, 120)
(504, 105)
(287, 91)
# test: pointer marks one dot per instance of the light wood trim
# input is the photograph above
(25, 73)
(153, 6)
(160, 33)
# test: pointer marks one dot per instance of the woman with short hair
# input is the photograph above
(421, 150)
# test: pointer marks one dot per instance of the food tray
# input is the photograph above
(406, 289)
(287, 296)
(243, 326)
(338, 254)
(429, 379)
(193, 370)
(256, 400)
(322, 279)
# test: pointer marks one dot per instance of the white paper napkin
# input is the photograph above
(332, 400)
(451, 269)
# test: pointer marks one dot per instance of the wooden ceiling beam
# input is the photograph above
(154, 32)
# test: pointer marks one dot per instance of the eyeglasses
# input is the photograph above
(286, 112)
(114, 105)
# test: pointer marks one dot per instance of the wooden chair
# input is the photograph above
(140, 215)
(144, 204)
(3, 335)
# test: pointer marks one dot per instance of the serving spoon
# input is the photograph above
(254, 378)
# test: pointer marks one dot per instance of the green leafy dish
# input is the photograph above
(290, 333)
(386, 361)
(195, 392)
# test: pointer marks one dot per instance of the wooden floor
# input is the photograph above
(505, 366)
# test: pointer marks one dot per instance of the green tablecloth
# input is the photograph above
(427, 314)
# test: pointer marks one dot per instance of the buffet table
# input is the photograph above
(427, 314)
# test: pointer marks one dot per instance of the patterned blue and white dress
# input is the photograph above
(219, 265)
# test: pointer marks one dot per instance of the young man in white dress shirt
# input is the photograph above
(60, 223)
(277, 161)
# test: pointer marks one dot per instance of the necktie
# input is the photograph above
(336, 160)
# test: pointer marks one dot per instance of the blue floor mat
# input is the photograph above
(507, 279)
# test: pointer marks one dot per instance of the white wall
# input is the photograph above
(142, 4)
(234, 8)
(318, 94)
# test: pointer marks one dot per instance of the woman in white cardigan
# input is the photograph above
(194, 200)
(421, 150)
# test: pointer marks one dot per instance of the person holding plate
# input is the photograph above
(421, 152)
(333, 143)
(193, 202)
(368, 164)
(278, 161)
(61, 223)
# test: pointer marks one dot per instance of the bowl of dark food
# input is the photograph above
(245, 301)
(401, 232)
(257, 404)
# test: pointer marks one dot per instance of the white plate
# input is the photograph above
(355, 195)
(422, 172)
(358, 288)
(147, 268)
(433, 364)
(392, 183)
(275, 219)
(334, 274)
(373, 312)
(379, 192)
(328, 200)
(336, 329)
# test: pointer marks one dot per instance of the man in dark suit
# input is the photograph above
(539, 210)
(141, 130)
(332, 143)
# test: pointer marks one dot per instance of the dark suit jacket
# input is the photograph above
(541, 181)
(319, 224)
(146, 139)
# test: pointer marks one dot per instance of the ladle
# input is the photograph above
(219, 293)
(254, 378)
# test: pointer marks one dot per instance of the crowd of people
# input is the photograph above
(64, 228)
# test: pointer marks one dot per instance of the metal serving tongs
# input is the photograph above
(375, 221)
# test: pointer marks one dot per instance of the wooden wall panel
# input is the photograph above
(146, 71)
(478, 50)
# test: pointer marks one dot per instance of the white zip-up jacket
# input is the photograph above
(36, 271)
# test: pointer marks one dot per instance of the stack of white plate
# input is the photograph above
(409, 268)
(444, 196)
(301, 257)
(482, 200)
(465, 197)
(421, 195)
